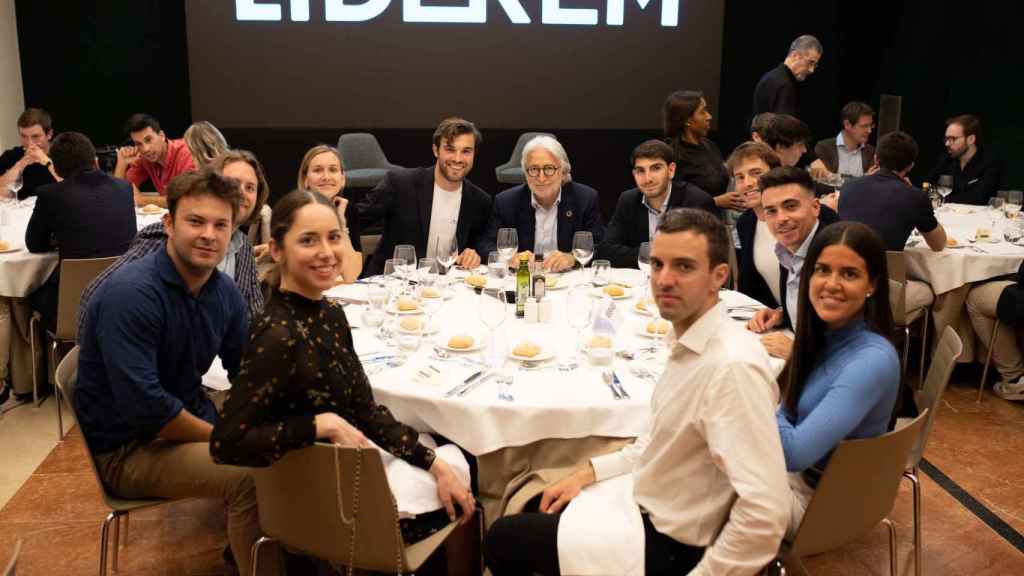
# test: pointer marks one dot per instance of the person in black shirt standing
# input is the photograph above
(977, 173)
(698, 160)
(776, 90)
(27, 167)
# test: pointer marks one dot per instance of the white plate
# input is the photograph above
(445, 294)
(142, 212)
(546, 353)
(443, 343)
(641, 330)
(432, 329)
(560, 284)
(13, 248)
(392, 309)
(599, 293)
(645, 312)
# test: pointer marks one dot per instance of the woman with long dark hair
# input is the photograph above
(844, 373)
(687, 122)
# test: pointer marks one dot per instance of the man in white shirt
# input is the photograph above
(549, 209)
(709, 475)
(434, 207)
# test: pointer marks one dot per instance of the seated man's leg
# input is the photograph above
(523, 544)
(665, 556)
(170, 470)
(981, 307)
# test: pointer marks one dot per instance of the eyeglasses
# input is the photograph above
(949, 139)
(548, 170)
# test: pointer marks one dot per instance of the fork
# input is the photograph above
(607, 377)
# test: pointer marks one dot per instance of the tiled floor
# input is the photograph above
(58, 510)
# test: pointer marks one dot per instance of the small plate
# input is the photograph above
(599, 293)
(433, 329)
(443, 343)
(143, 212)
(546, 353)
(641, 330)
(559, 283)
(12, 248)
(392, 309)
(646, 311)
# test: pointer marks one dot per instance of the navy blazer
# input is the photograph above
(751, 282)
(629, 226)
(579, 210)
(90, 215)
(404, 200)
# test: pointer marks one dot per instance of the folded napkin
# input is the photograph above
(601, 531)
(216, 378)
(415, 489)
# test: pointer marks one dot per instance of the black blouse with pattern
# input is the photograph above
(300, 362)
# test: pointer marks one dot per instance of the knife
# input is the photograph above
(618, 384)
(465, 383)
(472, 385)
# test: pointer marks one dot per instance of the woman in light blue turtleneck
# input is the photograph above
(844, 373)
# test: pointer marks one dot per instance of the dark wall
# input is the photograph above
(93, 63)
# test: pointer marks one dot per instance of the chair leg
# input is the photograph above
(32, 347)
(906, 350)
(127, 520)
(892, 546)
(105, 541)
(916, 484)
(117, 542)
(60, 416)
(256, 552)
(924, 350)
(988, 359)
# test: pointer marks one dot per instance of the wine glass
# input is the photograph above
(16, 185)
(406, 253)
(945, 186)
(643, 262)
(426, 268)
(583, 248)
(493, 309)
(578, 308)
(446, 251)
(1012, 204)
(394, 284)
(508, 244)
(430, 306)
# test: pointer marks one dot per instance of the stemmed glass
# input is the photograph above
(583, 249)
(995, 205)
(407, 254)
(945, 186)
(578, 309)
(508, 244)
(643, 262)
(1013, 203)
(394, 284)
(493, 310)
(447, 252)
(426, 268)
(430, 305)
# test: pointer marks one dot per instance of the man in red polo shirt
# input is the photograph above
(152, 157)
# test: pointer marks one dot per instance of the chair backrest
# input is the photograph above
(12, 565)
(943, 360)
(66, 380)
(897, 266)
(361, 150)
(75, 275)
(306, 501)
(856, 491)
(516, 159)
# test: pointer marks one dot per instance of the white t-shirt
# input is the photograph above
(444, 219)
(765, 260)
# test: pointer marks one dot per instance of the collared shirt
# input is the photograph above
(545, 234)
(652, 214)
(444, 219)
(710, 469)
(794, 263)
(850, 163)
(227, 265)
(146, 344)
(178, 160)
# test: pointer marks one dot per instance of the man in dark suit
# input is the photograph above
(792, 214)
(776, 90)
(887, 202)
(638, 209)
(87, 215)
(977, 171)
(549, 209)
(433, 206)
(849, 153)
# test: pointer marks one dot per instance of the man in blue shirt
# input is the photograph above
(149, 335)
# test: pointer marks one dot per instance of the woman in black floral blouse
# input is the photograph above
(301, 380)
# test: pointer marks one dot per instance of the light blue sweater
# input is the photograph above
(849, 394)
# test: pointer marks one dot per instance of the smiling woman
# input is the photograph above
(323, 171)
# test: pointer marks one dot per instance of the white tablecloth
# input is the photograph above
(548, 403)
(967, 262)
(21, 271)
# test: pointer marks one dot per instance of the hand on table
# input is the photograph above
(558, 261)
(778, 345)
(334, 428)
(764, 320)
(560, 493)
(451, 491)
(469, 259)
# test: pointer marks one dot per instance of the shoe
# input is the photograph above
(1012, 395)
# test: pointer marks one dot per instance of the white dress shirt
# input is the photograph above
(444, 219)
(545, 229)
(710, 470)
(765, 260)
(794, 263)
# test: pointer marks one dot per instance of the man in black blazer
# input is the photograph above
(86, 215)
(638, 209)
(429, 207)
(549, 209)
(849, 153)
(792, 214)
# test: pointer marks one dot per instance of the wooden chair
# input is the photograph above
(911, 301)
(12, 565)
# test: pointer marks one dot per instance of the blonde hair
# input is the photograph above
(205, 142)
(308, 158)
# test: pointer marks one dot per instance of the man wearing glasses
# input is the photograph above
(849, 153)
(549, 209)
(977, 173)
(776, 90)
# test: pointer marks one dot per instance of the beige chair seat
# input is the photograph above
(919, 297)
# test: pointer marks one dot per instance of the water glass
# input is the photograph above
(602, 272)
(583, 248)
(578, 309)
(508, 244)
(497, 266)
(407, 254)
(446, 253)
(376, 296)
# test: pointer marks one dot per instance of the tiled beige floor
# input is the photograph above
(27, 435)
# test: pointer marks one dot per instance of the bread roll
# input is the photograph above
(601, 341)
(410, 323)
(526, 350)
(476, 280)
(4, 245)
(614, 290)
(151, 209)
(430, 292)
(641, 305)
(657, 327)
(407, 305)
(460, 342)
